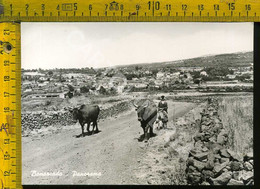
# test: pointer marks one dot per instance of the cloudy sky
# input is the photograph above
(78, 45)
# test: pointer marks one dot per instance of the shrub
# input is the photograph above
(84, 89)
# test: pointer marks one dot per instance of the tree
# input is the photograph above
(102, 90)
(70, 94)
(50, 73)
(177, 82)
(154, 72)
(71, 88)
(197, 81)
(243, 77)
(84, 89)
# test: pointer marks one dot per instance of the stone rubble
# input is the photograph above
(211, 162)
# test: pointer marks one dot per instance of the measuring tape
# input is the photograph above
(130, 10)
(10, 106)
(12, 11)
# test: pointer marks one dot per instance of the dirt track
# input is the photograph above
(114, 152)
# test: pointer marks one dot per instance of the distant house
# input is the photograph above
(203, 73)
(48, 95)
(158, 83)
(176, 74)
(42, 78)
(231, 76)
(148, 72)
(140, 85)
(32, 75)
(45, 83)
(160, 75)
(27, 90)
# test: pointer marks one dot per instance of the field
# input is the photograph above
(237, 116)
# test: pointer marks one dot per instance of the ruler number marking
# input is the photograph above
(201, 7)
(7, 141)
(114, 6)
(6, 32)
(6, 78)
(184, 7)
(137, 7)
(216, 7)
(231, 6)
(248, 7)
(168, 7)
(6, 156)
(43, 9)
(26, 9)
(6, 63)
(154, 5)
(6, 94)
(157, 5)
(6, 109)
(7, 173)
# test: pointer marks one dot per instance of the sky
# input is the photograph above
(80, 45)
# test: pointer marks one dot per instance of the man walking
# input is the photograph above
(163, 111)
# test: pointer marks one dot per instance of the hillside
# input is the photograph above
(228, 60)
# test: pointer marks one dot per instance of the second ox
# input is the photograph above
(87, 114)
(147, 113)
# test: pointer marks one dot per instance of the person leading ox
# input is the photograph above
(162, 114)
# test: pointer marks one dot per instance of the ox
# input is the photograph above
(147, 114)
(87, 114)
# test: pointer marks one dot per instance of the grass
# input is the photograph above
(237, 117)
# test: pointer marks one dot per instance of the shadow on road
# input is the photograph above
(141, 138)
(87, 134)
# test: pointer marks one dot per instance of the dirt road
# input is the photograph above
(107, 157)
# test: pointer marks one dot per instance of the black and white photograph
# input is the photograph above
(142, 103)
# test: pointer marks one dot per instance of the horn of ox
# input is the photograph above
(147, 104)
(135, 105)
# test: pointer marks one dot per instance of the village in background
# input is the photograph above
(216, 73)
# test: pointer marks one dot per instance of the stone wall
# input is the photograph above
(211, 162)
(36, 120)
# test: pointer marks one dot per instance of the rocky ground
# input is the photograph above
(211, 161)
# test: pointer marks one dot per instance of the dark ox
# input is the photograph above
(87, 114)
(147, 114)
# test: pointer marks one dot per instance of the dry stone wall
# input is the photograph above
(37, 120)
(211, 162)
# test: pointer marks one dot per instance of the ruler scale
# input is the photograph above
(130, 10)
(10, 107)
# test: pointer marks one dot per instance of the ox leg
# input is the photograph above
(82, 128)
(93, 128)
(141, 138)
(151, 131)
(165, 125)
(146, 133)
(96, 126)
(88, 125)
